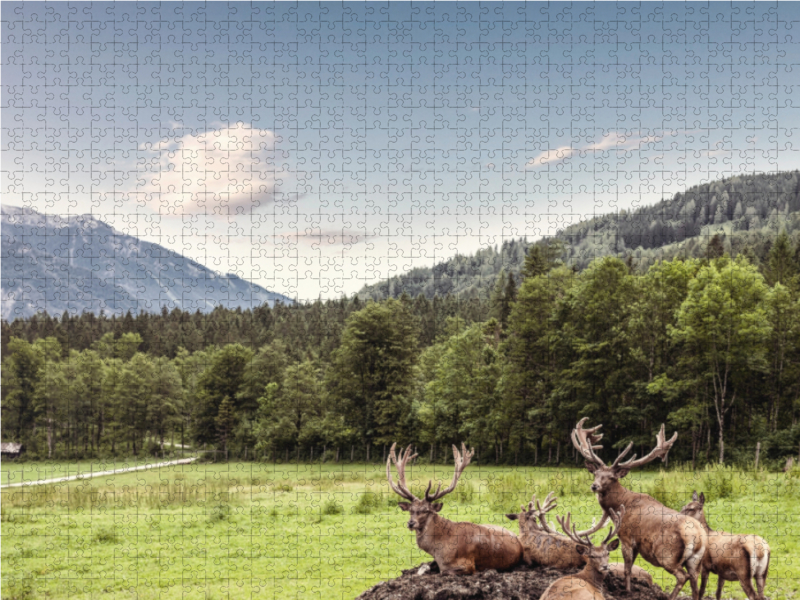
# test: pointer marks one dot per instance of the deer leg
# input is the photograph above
(747, 586)
(681, 577)
(461, 567)
(629, 556)
(703, 582)
(760, 584)
(720, 583)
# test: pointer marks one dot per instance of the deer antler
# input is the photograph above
(569, 529)
(582, 537)
(616, 522)
(401, 489)
(660, 451)
(586, 442)
(461, 460)
(550, 502)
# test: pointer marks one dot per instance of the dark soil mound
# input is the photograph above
(520, 583)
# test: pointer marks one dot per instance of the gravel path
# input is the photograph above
(183, 461)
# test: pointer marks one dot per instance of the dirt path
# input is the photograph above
(182, 461)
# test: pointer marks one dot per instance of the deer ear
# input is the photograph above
(695, 497)
(581, 550)
(512, 516)
(437, 506)
(613, 545)
(404, 505)
(591, 466)
(620, 472)
(702, 498)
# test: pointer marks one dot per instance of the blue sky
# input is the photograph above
(315, 147)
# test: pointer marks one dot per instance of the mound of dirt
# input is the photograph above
(520, 583)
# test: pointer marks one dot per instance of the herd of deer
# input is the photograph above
(681, 543)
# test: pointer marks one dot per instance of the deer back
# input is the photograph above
(730, 555)
(484, 546)
(572, 588)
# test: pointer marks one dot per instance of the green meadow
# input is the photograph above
(314, 531)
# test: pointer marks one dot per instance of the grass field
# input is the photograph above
(312, 531)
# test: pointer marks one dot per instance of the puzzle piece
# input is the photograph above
(248, 247)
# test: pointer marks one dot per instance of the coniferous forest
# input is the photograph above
(710, 346)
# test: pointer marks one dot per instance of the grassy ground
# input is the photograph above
(312, 531)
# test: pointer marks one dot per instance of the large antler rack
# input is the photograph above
(582, 537)
(539, 511)
(661, 450)
(401, 488)
(586, 442)
(461, 460)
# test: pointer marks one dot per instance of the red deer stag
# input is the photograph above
(543, 545)
(729, 556)
(456, 547)
(588, 584)
(661, 535)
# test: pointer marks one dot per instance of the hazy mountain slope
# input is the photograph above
(747, 211)
(82, 264)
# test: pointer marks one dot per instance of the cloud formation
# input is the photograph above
(613, 141)
(219, 171)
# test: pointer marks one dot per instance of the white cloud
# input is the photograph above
(614, 140)
(218, 171)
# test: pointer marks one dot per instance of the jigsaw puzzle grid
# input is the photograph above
(314, 148)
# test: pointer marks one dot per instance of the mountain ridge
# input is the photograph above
(80, 263)
(746, 211)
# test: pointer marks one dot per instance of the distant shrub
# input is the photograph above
(332, 507)
(220, 512)
(105, 535)
(367, 502)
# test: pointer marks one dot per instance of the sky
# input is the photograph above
(313, 148)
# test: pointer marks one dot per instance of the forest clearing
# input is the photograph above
(318, 530)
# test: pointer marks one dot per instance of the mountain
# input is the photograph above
(80, 263)
(746, 212)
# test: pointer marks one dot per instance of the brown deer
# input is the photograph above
(588, 584)
(456, 547)
(729, 556)
(662, 536)
(543, 545)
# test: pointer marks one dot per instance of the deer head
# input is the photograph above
(596, 557)
(695, 508)
(420, 510)
(586, 442)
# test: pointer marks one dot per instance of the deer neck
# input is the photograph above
(612, 497)
(435, 527)
(704, 523)
(592, 576)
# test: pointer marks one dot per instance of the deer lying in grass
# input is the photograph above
(731, 557)
(543, 545)
(661, 535)
(588, 584)
(456, 547)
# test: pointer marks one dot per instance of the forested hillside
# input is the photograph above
(746, 212)
(709, 346)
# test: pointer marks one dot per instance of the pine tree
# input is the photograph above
(225, 421)
(782, 267)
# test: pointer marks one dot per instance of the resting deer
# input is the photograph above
(588, 584)
(731, 557)
(662, 536)
(456, 547)
(543, 545)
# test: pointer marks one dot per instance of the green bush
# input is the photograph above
(105, 535)
(332, 507)
(367, 502)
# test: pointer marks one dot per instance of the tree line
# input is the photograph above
(709, 346)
